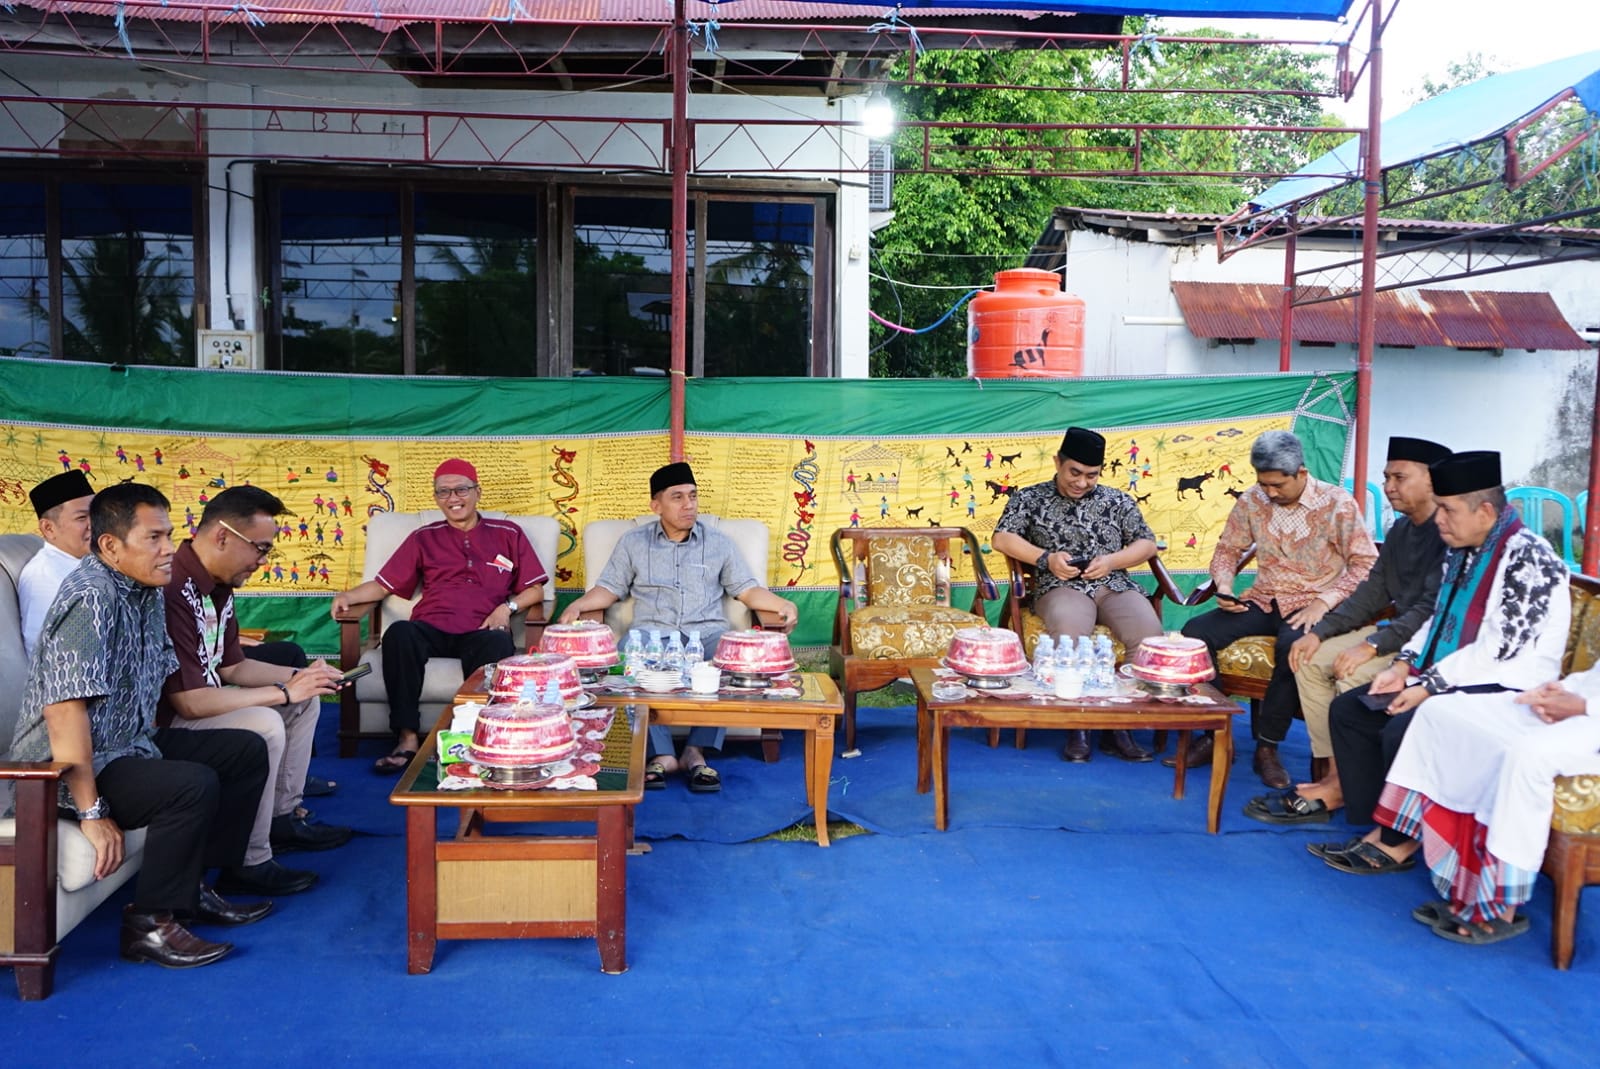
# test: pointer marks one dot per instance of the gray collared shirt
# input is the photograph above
(677, 585)
(105, 641)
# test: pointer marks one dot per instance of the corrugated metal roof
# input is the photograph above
(391, 12)
(1453, 319)
(1207, 221)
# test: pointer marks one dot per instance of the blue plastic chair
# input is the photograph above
(1583, 511)
(1532, 501)
(1377, 508)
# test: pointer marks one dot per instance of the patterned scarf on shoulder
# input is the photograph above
(1456, 619)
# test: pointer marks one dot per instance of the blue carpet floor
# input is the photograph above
(1090, 921)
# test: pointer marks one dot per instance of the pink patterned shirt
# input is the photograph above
(1316, 548)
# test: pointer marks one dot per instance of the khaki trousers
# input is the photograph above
(1318, 688)
(288, 731)
(1127, 614)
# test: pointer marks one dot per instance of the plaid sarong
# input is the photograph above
(1477, 885)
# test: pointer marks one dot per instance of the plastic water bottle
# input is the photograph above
(1068, 680)
(1044, 661)
(694, 652)
(1085, 658)
(1105, 665)
(653, 650)
(674, 658)
(632, 655)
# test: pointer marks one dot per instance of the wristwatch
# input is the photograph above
(1043, 561)
(1372, 640)
(101, 810)
(511, 604)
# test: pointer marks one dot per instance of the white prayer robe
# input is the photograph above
(37, 584)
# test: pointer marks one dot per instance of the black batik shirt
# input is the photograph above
(1101, 521)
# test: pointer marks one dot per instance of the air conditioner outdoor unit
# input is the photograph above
(880, 177)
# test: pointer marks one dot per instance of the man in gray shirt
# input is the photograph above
(1346, 649)
(677, 572)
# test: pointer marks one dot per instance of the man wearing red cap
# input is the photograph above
(475, 574)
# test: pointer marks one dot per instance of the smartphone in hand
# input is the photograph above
(1079, 562)
(355, 673)
(1229, 598)
(1379, 703)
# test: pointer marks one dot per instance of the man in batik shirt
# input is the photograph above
(1081, 539)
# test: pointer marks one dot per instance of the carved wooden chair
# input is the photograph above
(364, 708)
(894, 612)
(1017, 614)
(1572, 860)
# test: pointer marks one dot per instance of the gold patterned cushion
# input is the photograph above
(1577, 805)
(1583, 641)
(1033, 627)
(889, 632)
(1247, 658)
(900, 571)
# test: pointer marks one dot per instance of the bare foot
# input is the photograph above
(669, 764)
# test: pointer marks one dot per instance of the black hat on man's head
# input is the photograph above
(1084, 446)
(59, 489)
(675, 474)
(1464, 473)
(1416, 450)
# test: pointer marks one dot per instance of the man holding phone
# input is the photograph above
(1312, 550)
(1081, 538)
(216, 686)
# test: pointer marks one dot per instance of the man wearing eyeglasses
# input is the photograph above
(216, 686)
(475, 573)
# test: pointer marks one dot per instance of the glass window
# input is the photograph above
(622, 285)
(477, 276)
(758, 280)
(340, 283)
(127, 273)
(24, 271)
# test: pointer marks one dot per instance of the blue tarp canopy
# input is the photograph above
(1450, 120)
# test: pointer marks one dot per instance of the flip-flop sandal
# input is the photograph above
(655, 776)
(1364, 859)
(1431, 914)
(1327, 850)
(393, 763)
(317, 787)
(1288, 808)
(703, 779)
(1477, 935)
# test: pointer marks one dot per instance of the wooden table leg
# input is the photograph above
(611, 887)
(820, 740)
(1221, 765)
(422, 888)
(1183, 764)
(924, 719)
(941, 773)
(809, 744)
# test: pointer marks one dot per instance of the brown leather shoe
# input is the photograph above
(159, 938)
(1269, 768)
(1077, 748)
(1120, 744)
(1199, 754)
(214, 909)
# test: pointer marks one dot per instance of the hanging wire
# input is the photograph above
(514, 9)
(935, 325)
(893, 23)
(122, 29)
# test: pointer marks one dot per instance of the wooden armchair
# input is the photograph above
(364, 708)
(892, 615)
(1572, 860)
(1018, 615)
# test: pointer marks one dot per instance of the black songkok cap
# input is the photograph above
(1463, 473)
(1417, 450)
(59, 489)
(672, 475)
(1085, 446)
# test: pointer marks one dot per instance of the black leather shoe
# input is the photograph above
(290, 832)
(214, 909)
(1268, 767)
(267, 878)
(1120, 744)
(158, 937)
(1199, 754)
(1077, 748)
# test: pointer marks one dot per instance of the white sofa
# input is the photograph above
(364, 708)
(47, 882)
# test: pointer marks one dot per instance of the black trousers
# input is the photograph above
(407, 645)
(1271, 717)
(284, 654)
(1364, 744)
(196, 803)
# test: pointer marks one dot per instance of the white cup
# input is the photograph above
(705, 678)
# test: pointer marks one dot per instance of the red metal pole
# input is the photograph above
(678, 324)
(1591, 538)
(1286, 318)
(1367, 325)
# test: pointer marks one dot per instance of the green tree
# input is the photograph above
(123, 305)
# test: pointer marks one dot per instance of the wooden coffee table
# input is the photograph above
(985, 710)
(812, 713)
(489, 886)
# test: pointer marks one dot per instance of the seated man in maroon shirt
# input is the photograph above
(475, 574)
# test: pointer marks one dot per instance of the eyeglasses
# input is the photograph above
(262, 548)
(443, 492)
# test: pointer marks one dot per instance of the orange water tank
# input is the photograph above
(1025, 329)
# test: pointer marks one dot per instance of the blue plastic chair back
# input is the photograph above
(1376, 508)
(1532, 502)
